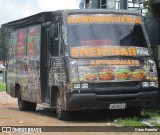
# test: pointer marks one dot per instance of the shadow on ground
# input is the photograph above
(87, 115)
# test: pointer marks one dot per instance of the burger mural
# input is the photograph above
(115, 74)
(123, 74)
(91, 76)
(32, 43)
(111, 73)
(20, 44)
(138, 74)
(106, 74)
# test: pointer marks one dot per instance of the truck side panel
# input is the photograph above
(11, 61)
(24, 65)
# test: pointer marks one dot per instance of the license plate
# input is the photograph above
(117, 106)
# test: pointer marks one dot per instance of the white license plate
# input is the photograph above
(117, 106)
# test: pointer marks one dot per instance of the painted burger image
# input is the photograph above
(106, 74)
(91, 76)
(123, 74)
(138, 74)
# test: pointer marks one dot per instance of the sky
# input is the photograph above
(11, 10)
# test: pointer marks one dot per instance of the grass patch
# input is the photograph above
(147, 114)
(153, 112)
(2, 87)
(131, 121)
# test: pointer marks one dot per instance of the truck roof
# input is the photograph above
(30, 20)
(47, 16)
(107, 11)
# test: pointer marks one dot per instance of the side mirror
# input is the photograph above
(53, 29)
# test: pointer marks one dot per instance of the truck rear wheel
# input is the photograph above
(25, 105)
(61, 114)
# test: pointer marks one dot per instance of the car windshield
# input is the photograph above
(105, 30)
(106, 34)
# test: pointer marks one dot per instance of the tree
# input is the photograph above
(152, 10)
(2, 46)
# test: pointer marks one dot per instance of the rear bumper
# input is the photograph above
(85, 101)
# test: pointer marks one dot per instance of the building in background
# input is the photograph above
(154, 30)
(151, 17)
(115, 4)
(152, 23)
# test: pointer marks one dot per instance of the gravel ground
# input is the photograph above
(11, 116)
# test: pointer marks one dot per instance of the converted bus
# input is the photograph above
(81, 59)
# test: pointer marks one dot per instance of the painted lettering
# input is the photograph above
(103, 19)
(102, 51)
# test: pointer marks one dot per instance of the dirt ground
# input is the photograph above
(11, 116)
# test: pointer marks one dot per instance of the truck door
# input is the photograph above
(44, 63)
(56, 61)
(51, 64)
(56, 69)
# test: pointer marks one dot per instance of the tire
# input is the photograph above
(25, 105)
(61, 114)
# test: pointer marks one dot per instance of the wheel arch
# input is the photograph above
(54, 91)
(17, 88)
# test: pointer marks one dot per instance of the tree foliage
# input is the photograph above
(2, 46)
(151, 10)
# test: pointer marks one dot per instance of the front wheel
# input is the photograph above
(25, 105)
(61, 114)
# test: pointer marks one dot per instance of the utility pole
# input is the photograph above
(95, 4)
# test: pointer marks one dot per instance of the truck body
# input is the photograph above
(81, 59)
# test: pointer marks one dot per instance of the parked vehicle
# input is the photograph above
(81, 59)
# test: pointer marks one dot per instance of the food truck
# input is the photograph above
(81, 59)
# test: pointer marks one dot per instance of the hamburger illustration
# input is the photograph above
(123, 74)
(106, 74)
(91, 76)
(32, 43)
(20, 44)
(138, 74)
